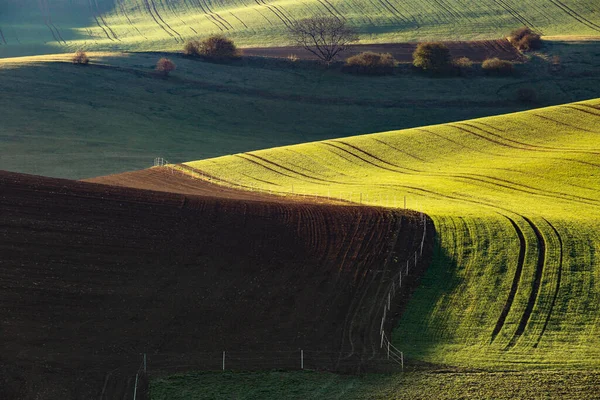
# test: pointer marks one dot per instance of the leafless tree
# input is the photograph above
(325, 37)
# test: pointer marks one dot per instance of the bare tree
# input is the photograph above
(325, 37)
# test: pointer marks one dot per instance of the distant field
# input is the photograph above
(50, 26)
(60, 120)
(516, 204)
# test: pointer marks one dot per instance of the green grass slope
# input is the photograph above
(36, 26)
(516, 203)
(62, 120)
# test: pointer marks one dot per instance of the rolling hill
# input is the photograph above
(94, 275)
(51, 26)
(516, 204)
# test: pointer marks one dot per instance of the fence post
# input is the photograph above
(223, 360)
(301, 359)
(388, 343)
(402, 360)
(135, 387)
(144, 362)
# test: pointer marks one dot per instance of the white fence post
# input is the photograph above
(135, 387)
(301, 359)
(223, 361)
(144, 362)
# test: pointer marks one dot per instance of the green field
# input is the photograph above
(411, 385)
(61, 120)
(52, 26)
(516, 204)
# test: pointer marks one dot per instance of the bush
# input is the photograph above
(80, 58)
(526, 95)
(369, 63)
(164, 66)
(433, 57)
(463, 65)
(216, 47)
(525, 39)
(496, 66)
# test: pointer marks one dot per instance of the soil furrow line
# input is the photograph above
(217, 15)
(241, 22)
(576, 15)
(273, 11)
(557, 287)
(98, 22)
(563, 123)
(104, 22)
(515, 283)
(148, 7)
(163, 21)
(535, 286)
(210, 17)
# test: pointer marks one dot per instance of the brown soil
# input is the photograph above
(92, 276)
(476, 50)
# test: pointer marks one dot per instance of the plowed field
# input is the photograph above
(92, 275)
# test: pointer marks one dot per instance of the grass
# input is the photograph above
(411, 385)
(62, 120)
(52, 26)
(516, 204)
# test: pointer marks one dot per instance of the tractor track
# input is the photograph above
(515, 283)
(558, 281)
(535, 286)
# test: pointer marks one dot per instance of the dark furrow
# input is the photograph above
(563, 123)
(541, 148)
(163, 21)
(124, 12)
(372, 155)
(262, 15)
(241, 22)
(575, 15)
(324, 4)
(514, 13)
(2, 37)
(218, 16)
(535, 286)
(43, 5)
(285, 168)
(96, 19)
(515, 283)
(279, 10)
(400, 150)
(210, 17)
(583, 111)
(273, 11)
(147, 4)
(360, 158)
(104, 22)
(557, 288)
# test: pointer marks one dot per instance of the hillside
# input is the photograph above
(116, 115)
(51, 26)
(93, 275)
(516, 204)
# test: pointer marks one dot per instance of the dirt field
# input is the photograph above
(476, 50)
(92, 276)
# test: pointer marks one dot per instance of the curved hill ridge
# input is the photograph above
(516, 203)
(30, 27)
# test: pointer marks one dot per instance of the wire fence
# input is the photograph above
(388, 357)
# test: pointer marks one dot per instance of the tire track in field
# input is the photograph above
(96, 19)
(216, 16)
(329, 9)
(580, 18)
(557, 288)
(240, 21)
(515, 283)
(583, 111)
(45, 10)
(2, 37)
(104, 22)
(515, 13)
(535, 286)
(563, 123)
(245, 156)
(150, 3)
(533, 146)
(124, 12)
(472, 177)
(278, 13)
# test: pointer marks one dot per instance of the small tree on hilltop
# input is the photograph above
(165, 66)
(325, 37)
(525, 39)
(433, 57)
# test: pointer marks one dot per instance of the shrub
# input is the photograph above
(293, 58)
(525, 39)
(369, 63)
(192, 48)
(526, 95)
(80, 58)
(216, 47)
(164, 66)
(463, 63)
(496, 66)
(433, 57)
